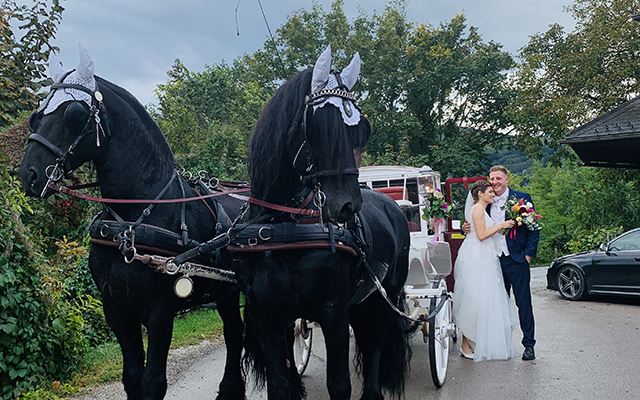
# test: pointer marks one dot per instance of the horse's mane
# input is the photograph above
(155, 141)
(327, 133)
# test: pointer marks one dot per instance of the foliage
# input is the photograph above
(22, 61)
(567, 79)
(458, 91)
(207, 118)
(590, 240)
(39, 335)
(577, 201)
(49, 314)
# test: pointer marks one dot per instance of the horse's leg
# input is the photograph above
(232, 385)
(159, 328)
(127, 329)
(370, 333)
(335, 329)
(276, 362)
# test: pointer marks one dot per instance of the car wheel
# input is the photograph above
(571, 283)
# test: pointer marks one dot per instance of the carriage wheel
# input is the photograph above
(439, 344)
(302, 345)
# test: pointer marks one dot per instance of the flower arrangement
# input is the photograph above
(438, 207)
(523, 213)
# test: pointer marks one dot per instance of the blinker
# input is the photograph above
(34, 121)
(75, 116)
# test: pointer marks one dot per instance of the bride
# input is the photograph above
(481, 306)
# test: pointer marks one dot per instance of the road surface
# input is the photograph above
(585, 350)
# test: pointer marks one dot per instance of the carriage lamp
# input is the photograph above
(427, 181)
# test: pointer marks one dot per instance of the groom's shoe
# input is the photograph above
(528, 354)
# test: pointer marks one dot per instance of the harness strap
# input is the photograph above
(70, 192)
(291, 210)
(183, 215)
(289, 232)
(302, 245)
(148, 249)
(147, 235)
(61, 156)
(62, 85)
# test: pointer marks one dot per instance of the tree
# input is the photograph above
(577, 202)
(459, 93)
(565, 80)
(207, 118)
(22, 61)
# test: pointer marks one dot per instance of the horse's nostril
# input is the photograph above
(346, 212)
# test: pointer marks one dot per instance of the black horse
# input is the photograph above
(304, 145)
(133, 161)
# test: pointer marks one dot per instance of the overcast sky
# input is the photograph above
(134, 43)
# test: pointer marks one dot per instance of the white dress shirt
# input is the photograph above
(497, 215)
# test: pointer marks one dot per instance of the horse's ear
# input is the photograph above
(85, 68)
(56, 72)
(350, 74)
(321, 70)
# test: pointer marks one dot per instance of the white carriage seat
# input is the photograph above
(439, 256)
(417, 276)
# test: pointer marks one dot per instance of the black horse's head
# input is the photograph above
(66, 129)
(306, 138)
(72, 127)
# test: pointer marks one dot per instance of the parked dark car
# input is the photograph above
(611, 269)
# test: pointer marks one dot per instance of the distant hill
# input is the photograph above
(516, 161)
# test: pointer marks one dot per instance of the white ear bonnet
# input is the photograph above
(83, 75)
(328, 90)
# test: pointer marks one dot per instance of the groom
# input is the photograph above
(516, 252)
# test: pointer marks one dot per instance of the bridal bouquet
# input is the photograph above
(438, 208)
(523, 213)
(437, 211)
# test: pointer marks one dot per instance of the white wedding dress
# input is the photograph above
(481, 306)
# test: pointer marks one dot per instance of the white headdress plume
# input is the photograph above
(323, 79)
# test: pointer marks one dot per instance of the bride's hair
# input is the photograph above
(479, 186)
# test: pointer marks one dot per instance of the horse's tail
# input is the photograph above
(396, 356)
(253, 358)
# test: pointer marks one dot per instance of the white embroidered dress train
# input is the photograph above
(481, 307)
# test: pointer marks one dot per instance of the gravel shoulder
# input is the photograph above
(180, 360)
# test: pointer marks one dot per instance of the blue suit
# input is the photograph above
(516, 272)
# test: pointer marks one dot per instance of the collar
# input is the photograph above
(503, 198)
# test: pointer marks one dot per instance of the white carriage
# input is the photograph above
(428, 301)
(427, 296)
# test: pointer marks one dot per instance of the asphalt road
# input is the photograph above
(585, 350)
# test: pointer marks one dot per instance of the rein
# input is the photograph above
(291, 210)
(74, 193)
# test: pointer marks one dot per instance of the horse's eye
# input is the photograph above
(34, 121)
(75, 117)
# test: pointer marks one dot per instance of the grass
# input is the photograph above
(103, 364)
(196, 326)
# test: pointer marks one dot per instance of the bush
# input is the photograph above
(590, 240)
(42, 336)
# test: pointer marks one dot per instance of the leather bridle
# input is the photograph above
(308, 173)
(62, 168)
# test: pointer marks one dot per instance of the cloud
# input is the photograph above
(135, 42)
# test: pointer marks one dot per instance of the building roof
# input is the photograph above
(610, 140)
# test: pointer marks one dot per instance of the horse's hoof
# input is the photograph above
(231, 396)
